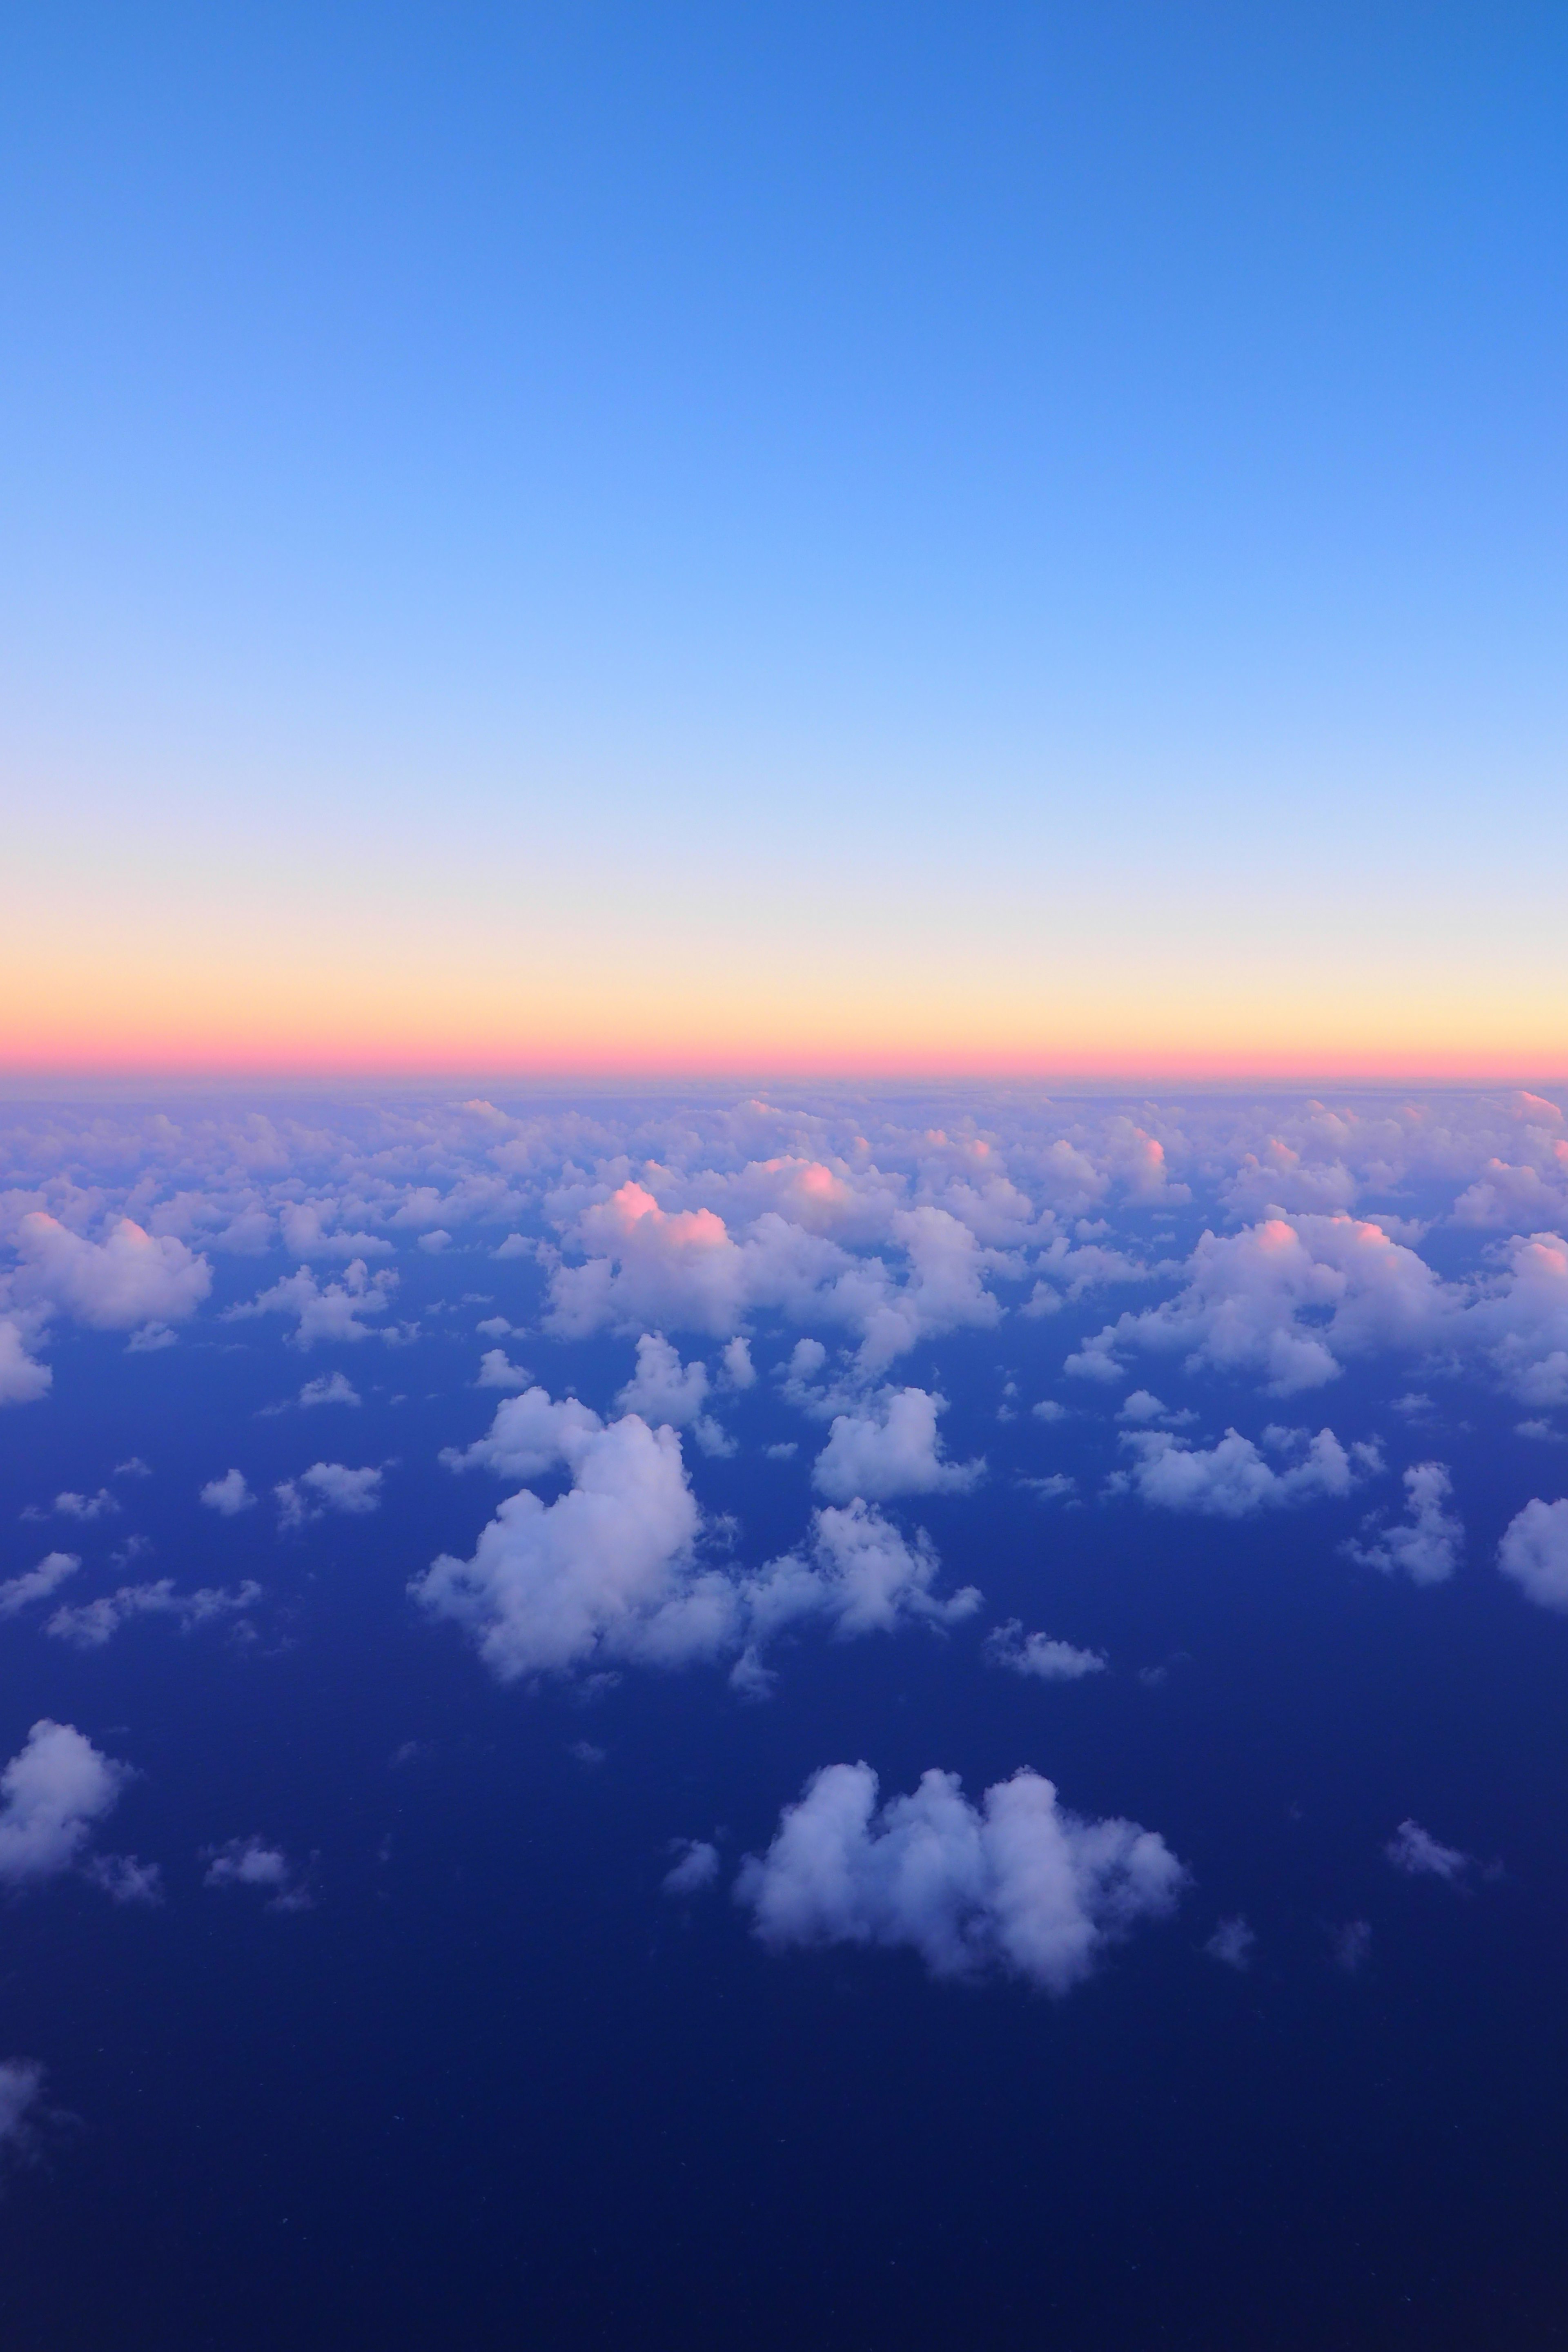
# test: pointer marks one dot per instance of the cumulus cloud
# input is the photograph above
(891, 1446)
(1417, 1853)
(230, 1495)
(95, 1623)
(23, 1380)
(70, 1506)
(1233, 1479)
(124, 1879)
(1289, 1298)
(1534, 1552)
(695, 1869)
(252, 1863)
(19, 1591)
(329, 1387)
(51, 1794)
(611, 1571)
(663, 1389)
(1015, 1885)
(1036, 1654)
(113, 1285)
(1426, 1545)
(496, 1370)
(327, 1487)
(333, 1313)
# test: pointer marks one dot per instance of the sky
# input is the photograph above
(567, 540)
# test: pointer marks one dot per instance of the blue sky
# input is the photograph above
(737, 474)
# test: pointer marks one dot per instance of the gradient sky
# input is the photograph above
(860, 537)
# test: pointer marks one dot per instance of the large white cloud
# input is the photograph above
(1534, 1552)
(1015, 1884)
(52, 1792)
(130, 1279)
(1234, 1479)
(891, 1446)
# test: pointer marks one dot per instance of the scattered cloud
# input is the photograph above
(695, 1869)
(1534, 1552)
(1426, 1545)
(20, 1591)
(229, 1495)
(889, 1447)
(1417, 1853)
(95, 1623)
(329, 1387)
(1233, 1479)
(327, 1487)
(252, 1863)
(1232, 1944)
(52, 1794)
(1036, 1655)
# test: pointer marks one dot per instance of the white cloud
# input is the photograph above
(327, 1487)
(23, 1380)
(857, 1571)
(1034, 1654)
(438, 1239)
(891, 1447)
(1232, 1479)
(696, 1869)
(663, 1389)
(1417, 1853)
(95, 1623)
(1428, 1546)
(69, 1506)
(736, 1369)
(252, 1863)
(331, 1314)
(1143, 1407)
(51, 1794)
(530, 1435)
(1015, 1885)
(38, 1582)
(1534, 1552)
(498, 1371)
(111, 1285)
(329, 1387)
(1289, 1298)
(1232, 1944)
(607, 1572)
(304, 1235)
(230, 1495)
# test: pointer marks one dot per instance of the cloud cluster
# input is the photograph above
(95, 1623)
(1426, 1545)
(1036, 1655)
(327, 1487)
(1015, 1885)
(889, 1446)
(614, 1571)
(1234, 1479)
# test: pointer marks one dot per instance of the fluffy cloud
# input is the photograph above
(23, 1380)
(113, 1285)
(891, 1447)
(1417, 1853)
(331, 1314)
(1289, 1298)
(496, 1370)
(607, 1570)
(329, 1387)
(95, 1623)
(1036, 1655)
(19, 1591)
(1017, 1885)
(230, 1495)
(1232, 1944)
(51, 1794)
(1534, 1552)
(663, 1389)
(327, 1487)
(252, 1863)
(611, 1570)
(1426, 1545)
(1233, 1479)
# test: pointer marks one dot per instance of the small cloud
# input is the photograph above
(38, 1582)
(250, 1861)
(1036, 1655)
(695, 1868)
(587, 1752)
(1417, 1853)
(1412, 1405)
(327, 1487)
(1353, 1947)
(438, 1239)
(75, 1507)
(133, 1467)
(331, 1388)
(149, 1337)
(496, 1370)
(1538, 1429)
(785, 1451)
(514, 1245)
(124, 1879)
(494, 1326)
(1049, 1410)
(1057, 1485)
(229, 1495)
(1232, 1944)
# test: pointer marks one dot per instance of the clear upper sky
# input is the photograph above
(763, 538)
